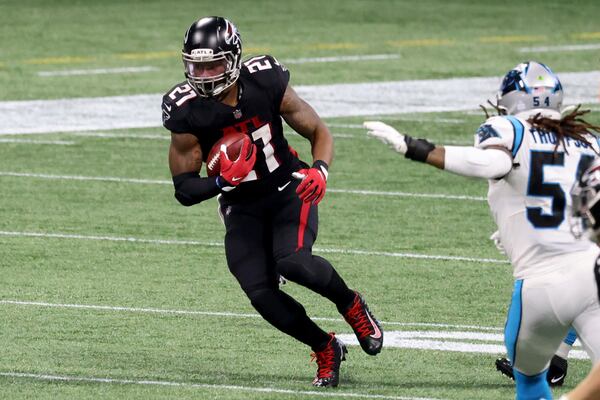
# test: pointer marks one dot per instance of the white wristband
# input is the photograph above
(477, 163)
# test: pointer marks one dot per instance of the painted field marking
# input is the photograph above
(336, 100)
(573, 47)
(315, 393)
(420, 340)
(367, 57)
(586, 35)
(218, 244)
(420, 42)
(98, 71)
(147, 310)
(333, 46)
(455, 341)
(169, 182)
(511, 39)
(108, 135)
(59, 60)
(33, 141)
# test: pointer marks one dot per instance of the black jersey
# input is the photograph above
(262, 83)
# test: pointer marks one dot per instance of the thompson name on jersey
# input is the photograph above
(531, 203)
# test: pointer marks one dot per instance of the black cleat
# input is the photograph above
(328, 363)
(556, 373)
(366, 328)
(505, 367)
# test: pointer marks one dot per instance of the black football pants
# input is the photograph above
(273, 236)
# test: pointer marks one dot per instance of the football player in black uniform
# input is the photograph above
(268, 196)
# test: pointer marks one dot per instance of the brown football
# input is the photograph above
(233, 142)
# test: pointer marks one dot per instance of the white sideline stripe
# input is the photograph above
(217, 244)
(66, 378)
(33, 141)
(120, 135)
(336, 100)
(226, 314)
(97, 71)
(168, 182)
(406, 194)
(573, 47)
(369, 57)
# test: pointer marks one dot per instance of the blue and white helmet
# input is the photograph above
(531, 86)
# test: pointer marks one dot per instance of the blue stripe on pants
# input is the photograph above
(513, 321)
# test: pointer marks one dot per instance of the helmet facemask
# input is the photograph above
(211, 86)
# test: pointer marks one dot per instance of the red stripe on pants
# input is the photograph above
(304, 211)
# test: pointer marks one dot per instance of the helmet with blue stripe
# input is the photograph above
(531, 86)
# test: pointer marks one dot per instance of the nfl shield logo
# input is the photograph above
(237, 114)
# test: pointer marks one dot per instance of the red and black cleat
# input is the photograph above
(365, 326)
(328, 363)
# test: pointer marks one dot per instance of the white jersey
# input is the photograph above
(531, 203)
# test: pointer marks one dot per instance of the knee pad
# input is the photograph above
(303, 268)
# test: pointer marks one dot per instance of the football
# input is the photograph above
(233, 142)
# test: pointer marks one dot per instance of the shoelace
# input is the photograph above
(325, 361)
(359, 320)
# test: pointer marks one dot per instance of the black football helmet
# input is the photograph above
(212, 42)
(586, 203)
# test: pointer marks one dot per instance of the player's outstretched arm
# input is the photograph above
(185, 161)
(303, 119)
(490, 163)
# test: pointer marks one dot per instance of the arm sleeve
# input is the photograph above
(192, 189)
(477, 163)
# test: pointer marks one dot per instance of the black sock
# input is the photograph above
(336, 289)
(289, 316)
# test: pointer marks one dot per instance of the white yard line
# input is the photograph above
(572, 47)
(97, 71)
(149, 310)
(268, 390)
(33, 141)
(336, 100)
(169, 182)
(218, 244)
(455, 341)
(108, 135)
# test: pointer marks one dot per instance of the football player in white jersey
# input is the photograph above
(531, 155)
(586, 223)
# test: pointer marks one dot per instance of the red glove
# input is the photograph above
(314, 182)
(234, 172)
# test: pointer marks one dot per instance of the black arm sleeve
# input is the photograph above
(192, 189)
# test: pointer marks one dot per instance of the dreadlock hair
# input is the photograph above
(569, 126)
(499, 110)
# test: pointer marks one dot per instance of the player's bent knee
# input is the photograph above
(300, 268)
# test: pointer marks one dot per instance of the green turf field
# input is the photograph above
(111, 289)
